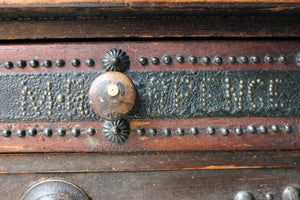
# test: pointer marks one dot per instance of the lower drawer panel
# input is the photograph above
(194, 184)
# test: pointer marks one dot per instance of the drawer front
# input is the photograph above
(195, 95)
(203, 184)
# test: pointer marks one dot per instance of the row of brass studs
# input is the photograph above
(289, 192)
(48, 63)
(212, 130)
(217, 60)
(75, 132)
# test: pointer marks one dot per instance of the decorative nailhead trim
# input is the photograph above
(254, 59)
(143, 60)
(75, 62)
(166, 60)
(217, 60)
(47, 63)
(269, 59)
(34, 63)
(210, 130)
(180, 59)
(75, 132)
(21, 63)
(232, 59)
(243, 60)
(9, 65)
(90, 62)
(289, 192)
(60, 63)
(155, 61)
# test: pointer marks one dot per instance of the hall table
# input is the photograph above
(157, 99)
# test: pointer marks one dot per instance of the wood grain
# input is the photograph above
(149, 49)
(166, 161)
(45, 2)
(203, 141)
(177, 25)
(136, 143)
(188, 185)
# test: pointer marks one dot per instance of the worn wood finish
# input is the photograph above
(195, 184)
(134, 162)
(180, 26)
(149, 49)
(202, 141)
(46, 2)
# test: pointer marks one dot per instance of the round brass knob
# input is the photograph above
(54, 188)
(243, 195)
(291, 193)
(112, 95)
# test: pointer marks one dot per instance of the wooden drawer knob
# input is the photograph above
(112, 95)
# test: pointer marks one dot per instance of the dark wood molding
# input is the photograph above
(133, 162)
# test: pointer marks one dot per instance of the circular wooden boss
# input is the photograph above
(112, 95)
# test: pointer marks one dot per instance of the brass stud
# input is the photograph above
(140, 131)
(225, 131)
(91, 131)
(263, 129)
(167, 60)
(90, 62)
(9, 65)
(180, 59)
(60, 63)
(48, 132)
(75, 62)
(282, 59)
(288, 128)
(75, 132)
(218, 60)
(238, 131)
(205, 60)
(243, 59)
(21, 63)
(275, 128)
(255, 59)
(291, 193)
(192, 59)
(6, 133)
(269, 196)
(152, 131)
(251, 129)
(232, 59)
(60, 98)
(243, 195)
(61, 132)
(268, 59)
(34, 63)
(167, 132)
(180, 131)
(21, 133)
(155, 60)
(47, 63)
(32, 132)
(210, 130)
(194, 130)
(143, 60)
